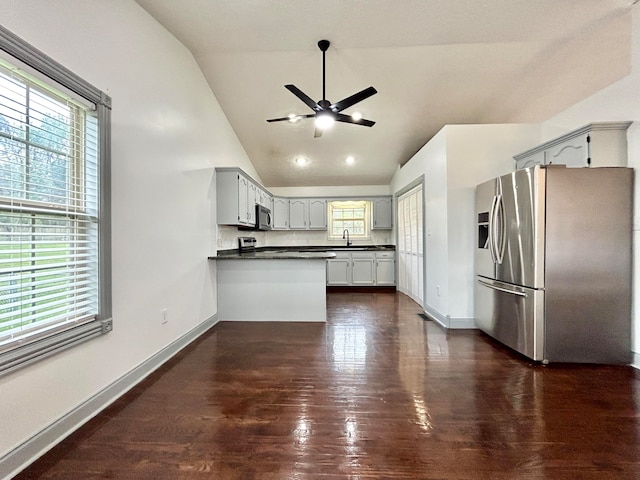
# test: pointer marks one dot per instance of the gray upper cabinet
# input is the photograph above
(264, 198)
(530, 160)
(595, 145)
(237, 195)
(252, 197)
(280, 213)
(235, 198)
(382, 213)
(307, 214)
(298, 213)
(317, 214)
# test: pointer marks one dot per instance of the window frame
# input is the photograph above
(349, 204)
(50, 72)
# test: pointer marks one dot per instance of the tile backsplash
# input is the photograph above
(228, 238)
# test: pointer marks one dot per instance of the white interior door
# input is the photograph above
(410, 244)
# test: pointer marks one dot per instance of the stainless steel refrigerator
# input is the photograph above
(553, 263)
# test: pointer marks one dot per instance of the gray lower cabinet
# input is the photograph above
(339, 269)
(385, 268)
(361, 269)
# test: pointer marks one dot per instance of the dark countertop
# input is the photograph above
(297, 252)
(273, 255)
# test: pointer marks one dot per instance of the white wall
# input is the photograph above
(453, 162)
(475, 153)
(618, 102)
(168, 134)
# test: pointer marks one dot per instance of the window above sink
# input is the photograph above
(353, 216)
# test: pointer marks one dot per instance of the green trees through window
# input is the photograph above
(48, 196)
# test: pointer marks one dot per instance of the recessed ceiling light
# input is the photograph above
(324, 121)
(349, 160)
(301, 161)
(293, 118)
(356, 116)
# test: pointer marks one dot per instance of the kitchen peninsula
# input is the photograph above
(272, 285)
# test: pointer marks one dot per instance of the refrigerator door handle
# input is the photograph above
(491, 242)
(502, 289)
(501, 227)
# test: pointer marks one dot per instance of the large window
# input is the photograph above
(54, 274)
(352, 216)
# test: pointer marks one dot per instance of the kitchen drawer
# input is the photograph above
(386, 255)
(367, 255)
(341, 254)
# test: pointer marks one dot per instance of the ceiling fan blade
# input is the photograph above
(353, 99)
(304, 97)
(282, 119)
(341, 117)
(298, 117)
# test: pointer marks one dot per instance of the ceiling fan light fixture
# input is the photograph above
(325, 112)
(324, 121)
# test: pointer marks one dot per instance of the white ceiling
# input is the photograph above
(433, 62)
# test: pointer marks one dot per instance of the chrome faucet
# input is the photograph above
(345, 234)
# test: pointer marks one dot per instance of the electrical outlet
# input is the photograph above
(163, 316)
(438, 290)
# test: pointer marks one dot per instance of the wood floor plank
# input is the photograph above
(376, 393)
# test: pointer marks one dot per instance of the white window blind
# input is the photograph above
(349, 215)
(48, 211)
(55, 195)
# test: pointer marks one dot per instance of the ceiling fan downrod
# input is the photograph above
(323, 45)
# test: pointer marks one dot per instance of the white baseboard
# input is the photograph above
(635, 363)
(461, 323)
(445, 321)
(22, 456)
(436, 316)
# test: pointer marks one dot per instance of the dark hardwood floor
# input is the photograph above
(376, 393)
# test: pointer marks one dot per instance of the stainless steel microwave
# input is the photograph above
(263, 218)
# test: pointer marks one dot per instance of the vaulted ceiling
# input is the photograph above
(433, 63)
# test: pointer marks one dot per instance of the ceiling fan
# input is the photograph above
(326, 113)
